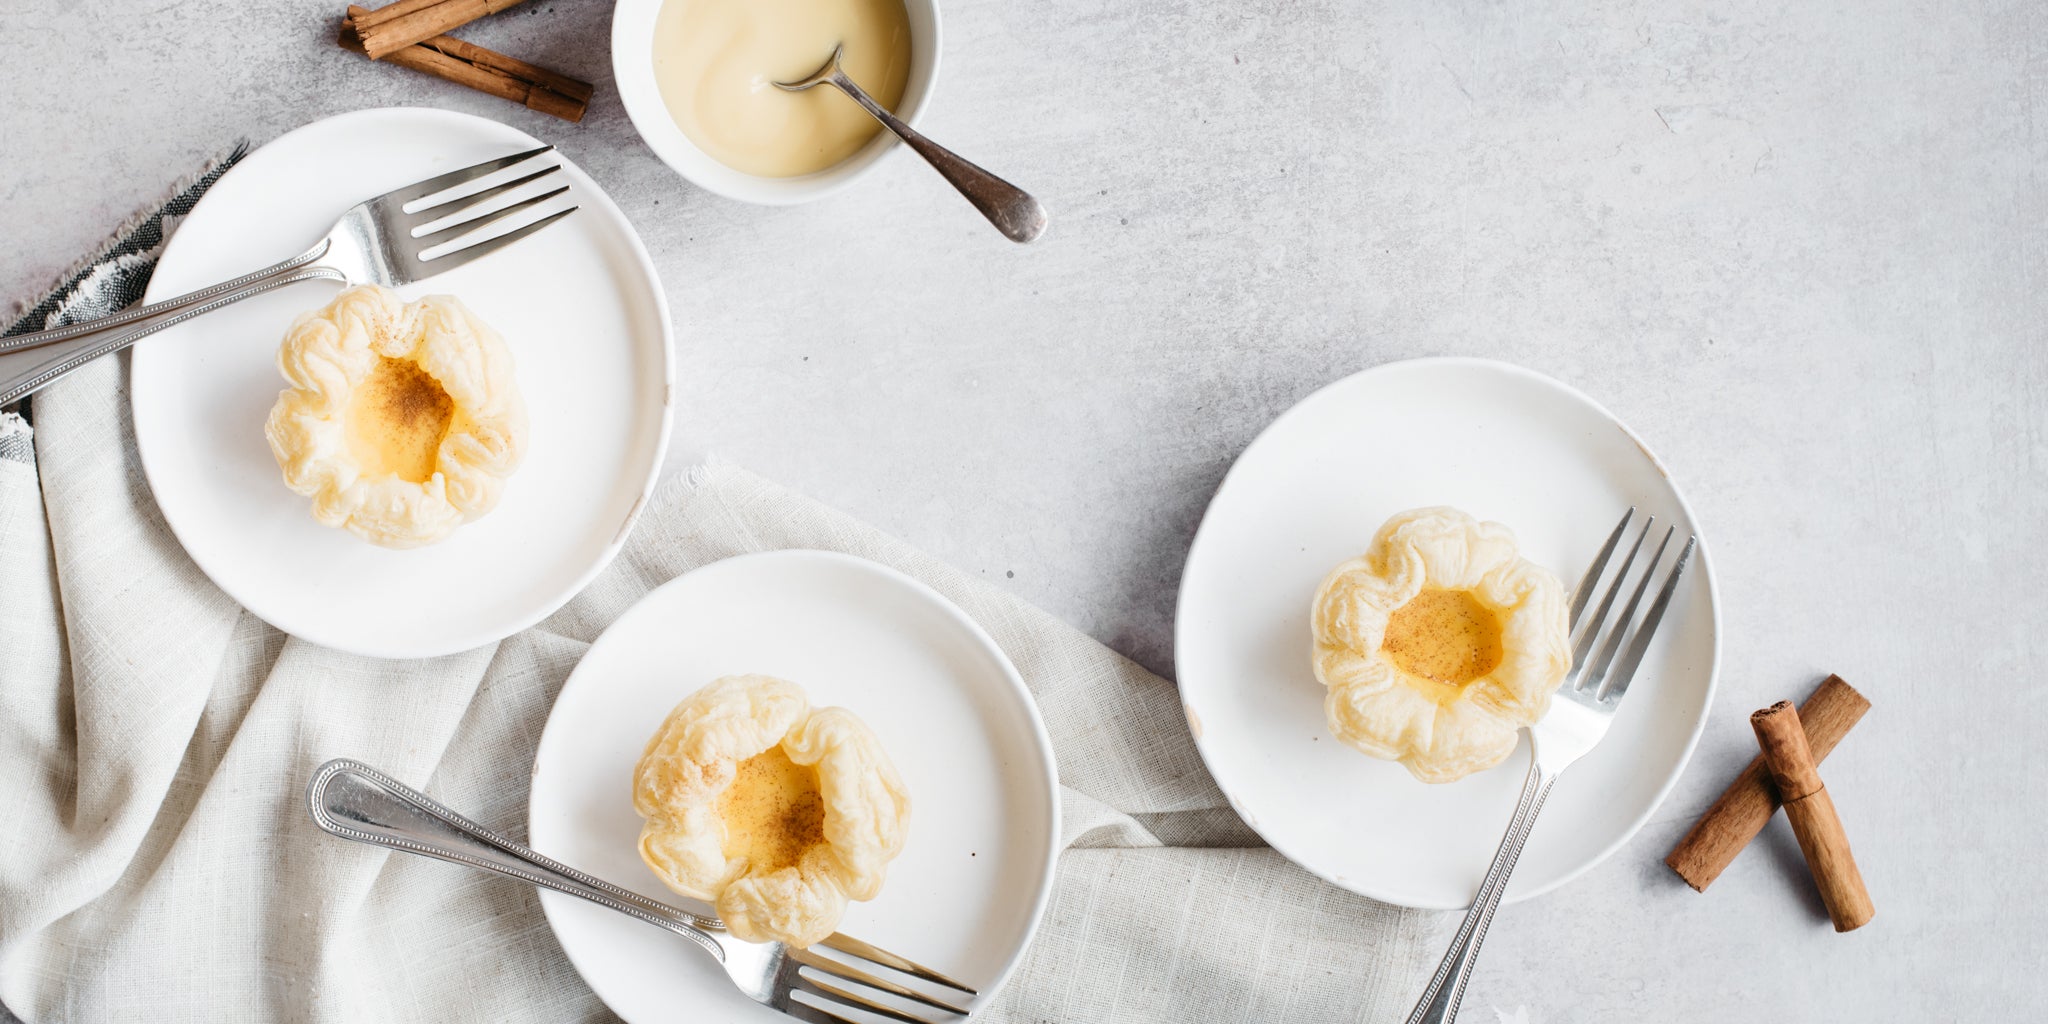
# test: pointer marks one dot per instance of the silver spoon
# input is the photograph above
(1009, 208)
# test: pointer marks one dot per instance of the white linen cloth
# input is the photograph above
(156, 861)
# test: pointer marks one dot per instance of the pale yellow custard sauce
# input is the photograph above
(717, 62)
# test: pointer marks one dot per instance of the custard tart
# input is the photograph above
(402, 421)
(775, 812)
(1439, 644)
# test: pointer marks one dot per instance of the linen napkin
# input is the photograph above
(156, 861)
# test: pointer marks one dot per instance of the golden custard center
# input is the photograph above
(1447, 636)
(396, 420)
(772, 811)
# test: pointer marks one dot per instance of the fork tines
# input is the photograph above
(816, 1014)
(859, 950)
(829, 995)
(421, 189)
(1602, 678)
(423, 206)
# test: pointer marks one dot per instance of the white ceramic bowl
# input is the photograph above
(633, 70)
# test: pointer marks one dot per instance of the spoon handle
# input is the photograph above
(1009, 208)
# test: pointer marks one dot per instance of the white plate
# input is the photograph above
(1502, 443)
(578, 303)
(968, 889)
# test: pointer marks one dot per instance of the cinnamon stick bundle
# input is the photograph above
(1812, 814)
(1746, 806)
(484, 70)
(389, 30)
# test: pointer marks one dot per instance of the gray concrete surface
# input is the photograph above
(1797, 246)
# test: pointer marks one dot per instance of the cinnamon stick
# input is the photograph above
(486, 71)
(389, 30)
(1746, 806)
(1812, 814)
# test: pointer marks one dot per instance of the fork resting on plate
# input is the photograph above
(1591, 693)
(374, 242)
(354, 801)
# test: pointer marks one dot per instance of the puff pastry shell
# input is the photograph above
(1440, 731)
(695, 756)
(331, 352)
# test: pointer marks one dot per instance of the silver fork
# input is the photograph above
(372, 243)
(354, 801)
(1576, 722)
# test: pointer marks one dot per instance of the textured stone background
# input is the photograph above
(1796, 246)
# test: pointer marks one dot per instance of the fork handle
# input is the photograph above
(1439, 1002)
(355, 801)
(18, 384)
(134, 314)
